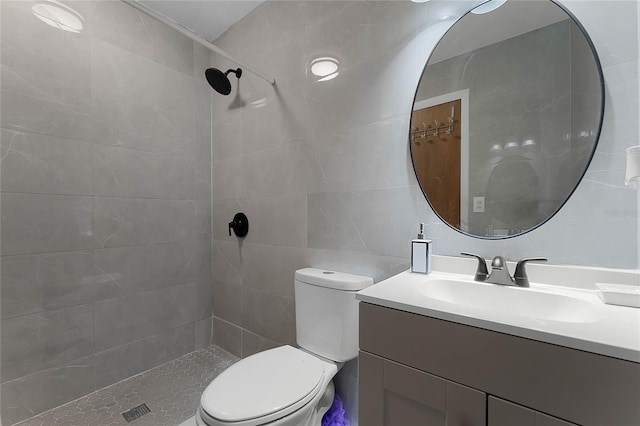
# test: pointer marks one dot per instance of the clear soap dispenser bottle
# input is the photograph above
(421, 253)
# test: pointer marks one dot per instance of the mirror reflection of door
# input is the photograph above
(436, 157)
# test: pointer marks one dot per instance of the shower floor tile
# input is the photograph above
(171, 391)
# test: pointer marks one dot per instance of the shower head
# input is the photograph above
(219, 80)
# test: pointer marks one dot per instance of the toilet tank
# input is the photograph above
(327, 312)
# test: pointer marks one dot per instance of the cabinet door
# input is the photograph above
(392, 394)
(504, 413)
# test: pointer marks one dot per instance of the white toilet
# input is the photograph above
(286, 385)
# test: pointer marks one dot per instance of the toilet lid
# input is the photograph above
(263, 384)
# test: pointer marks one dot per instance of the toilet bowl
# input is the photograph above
(287, 387)
(292, 386)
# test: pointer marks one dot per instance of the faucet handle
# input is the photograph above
(481, 272)
(520, 275)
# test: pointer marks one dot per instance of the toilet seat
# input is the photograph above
(263, 387)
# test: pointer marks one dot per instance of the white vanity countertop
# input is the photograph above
(609, 330)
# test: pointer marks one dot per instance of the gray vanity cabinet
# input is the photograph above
(418, 370)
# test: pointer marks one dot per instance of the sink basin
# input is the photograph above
(511, 301)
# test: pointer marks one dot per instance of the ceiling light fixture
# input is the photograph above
(419, 1)
(58, 15)
(326, 68)
(488, 6)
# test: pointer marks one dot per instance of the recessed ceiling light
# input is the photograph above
(326, 68)
(58, 15)
(419, 1)
(487, 7)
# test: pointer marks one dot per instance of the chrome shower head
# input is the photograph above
(219, 81)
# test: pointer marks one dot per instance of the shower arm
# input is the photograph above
(182, 30)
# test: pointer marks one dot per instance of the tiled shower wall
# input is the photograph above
(106, 202)
(323, 172)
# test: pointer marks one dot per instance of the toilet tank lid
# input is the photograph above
(333, 279)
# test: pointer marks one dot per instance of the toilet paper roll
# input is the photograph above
(632, 177)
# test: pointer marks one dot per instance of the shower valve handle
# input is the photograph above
(239, 224)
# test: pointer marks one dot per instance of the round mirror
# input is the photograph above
(506, 117)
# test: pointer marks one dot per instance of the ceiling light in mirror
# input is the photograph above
(511, 145)
(58, 15)
(325, 67)
(487, 7)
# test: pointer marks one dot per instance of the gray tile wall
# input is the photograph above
(106, 202)
(323, 172)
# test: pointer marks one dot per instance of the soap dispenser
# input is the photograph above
(421, 253)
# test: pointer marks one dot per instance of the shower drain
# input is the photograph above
(136, 412)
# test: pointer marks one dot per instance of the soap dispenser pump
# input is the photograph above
(421, 253)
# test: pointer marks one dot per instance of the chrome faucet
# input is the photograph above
(500, 273)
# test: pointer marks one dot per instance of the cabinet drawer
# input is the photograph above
(581, 387)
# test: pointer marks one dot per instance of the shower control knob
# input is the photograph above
(239, 224)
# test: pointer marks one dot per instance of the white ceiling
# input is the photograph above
(210, 18)
(206, 18)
